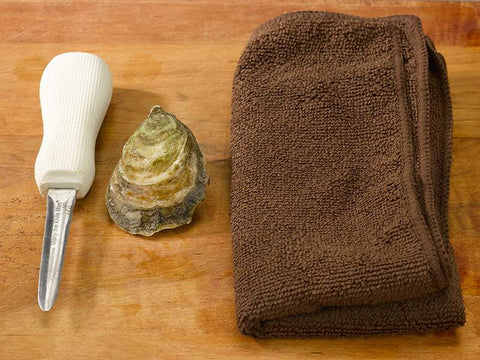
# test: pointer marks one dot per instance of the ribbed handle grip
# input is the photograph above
(75, 91)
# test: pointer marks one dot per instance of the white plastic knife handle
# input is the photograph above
(75, 91)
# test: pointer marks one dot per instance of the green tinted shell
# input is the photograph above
(160, 178)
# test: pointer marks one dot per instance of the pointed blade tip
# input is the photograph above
(45, 305)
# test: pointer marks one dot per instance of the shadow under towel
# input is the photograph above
(341, 149)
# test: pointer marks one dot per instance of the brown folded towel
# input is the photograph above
(341, 150)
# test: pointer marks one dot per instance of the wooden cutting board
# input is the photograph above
(171, 296)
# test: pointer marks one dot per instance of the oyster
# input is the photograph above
(160, 178)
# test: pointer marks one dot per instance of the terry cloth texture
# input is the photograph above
(341, 149)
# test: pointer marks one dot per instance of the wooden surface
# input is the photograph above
(171, 296)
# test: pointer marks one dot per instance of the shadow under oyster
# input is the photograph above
(160, 178)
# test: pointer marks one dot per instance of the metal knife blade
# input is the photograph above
(60, 203)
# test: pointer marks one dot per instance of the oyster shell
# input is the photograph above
(160, 178)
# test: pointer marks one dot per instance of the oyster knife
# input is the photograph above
(75, 91)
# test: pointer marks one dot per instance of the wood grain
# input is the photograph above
(171, 297)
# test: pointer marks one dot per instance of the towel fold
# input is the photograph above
(341, 150)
